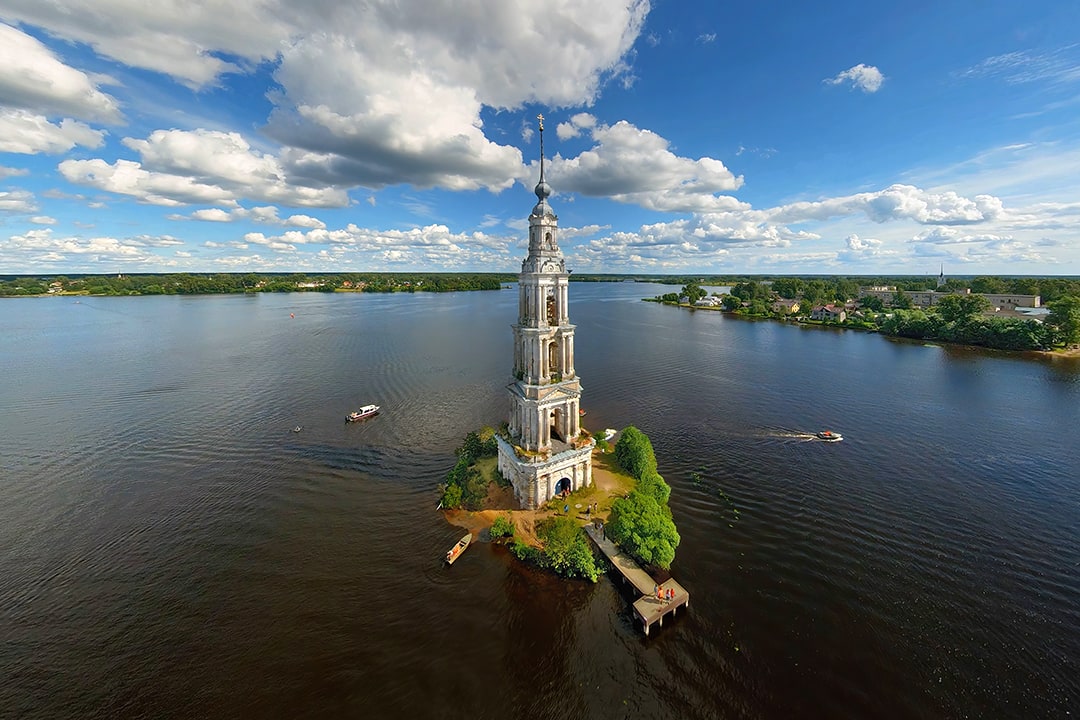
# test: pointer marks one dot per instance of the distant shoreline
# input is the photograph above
(1070, 353)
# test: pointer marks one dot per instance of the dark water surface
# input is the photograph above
(170, 549)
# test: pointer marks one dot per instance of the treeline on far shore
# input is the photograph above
(959, 315)
(225, 283)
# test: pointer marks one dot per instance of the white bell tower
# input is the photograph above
(548, 451)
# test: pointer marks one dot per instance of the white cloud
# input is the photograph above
(43, 220)
(1060, 65)
(573, 128)
(174, 39)
(305, 221)
(17, 201)
(706, 38)
(201, 166)
(955, 236)
(636, 166)
(12, 172)
(210, 215)
(33, 78)
(26, 133)
(392, 93)
(864, 77)
(894, 203)
(40, 248)
(264, 214)
(128, 178)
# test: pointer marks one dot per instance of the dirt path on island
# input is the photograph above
(606, 486)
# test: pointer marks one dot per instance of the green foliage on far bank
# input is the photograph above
(466, 486)
(227, 283)
(641, 523)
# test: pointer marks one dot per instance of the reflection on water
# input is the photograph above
(171, 548)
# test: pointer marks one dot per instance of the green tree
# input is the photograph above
(694, 292)
(872, 302)
(787, 287)
(992, 285)
(901, 300)
(953, 308)
(731, 302)
(652, 484)
(634, 452)
(644, 528)
(1065, 317)
(814, 293)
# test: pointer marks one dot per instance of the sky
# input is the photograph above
(761, 137)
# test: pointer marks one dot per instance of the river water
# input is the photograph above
(169, 548)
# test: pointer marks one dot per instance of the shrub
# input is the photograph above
(566, 549)
(634, 452)
(524, 552)
(451, 497)
(502, 527)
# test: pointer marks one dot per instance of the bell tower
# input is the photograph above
(548, 451)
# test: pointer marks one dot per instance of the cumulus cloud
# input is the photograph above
(201, 166)
(17, 201)
(430, 246)
(33, 78)
(265, 214)
(12, 172)
(573, 128)
(636, 166)
(24, 132)
(954, 236)
(125, 177)
(895, 202)
(392, 92)
(864, 77)
(41, 248)
(861, 249)
(43, 220)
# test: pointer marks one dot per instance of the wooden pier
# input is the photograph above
(648, 608)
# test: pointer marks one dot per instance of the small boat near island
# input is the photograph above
(455, 552)
(829, 436)
(364, 412)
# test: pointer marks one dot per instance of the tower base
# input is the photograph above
(536, 480)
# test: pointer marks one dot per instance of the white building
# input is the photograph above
(547, 453)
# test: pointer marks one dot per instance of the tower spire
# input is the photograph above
(540, 119)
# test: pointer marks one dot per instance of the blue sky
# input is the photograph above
(766, 137)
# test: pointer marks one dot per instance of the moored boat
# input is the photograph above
(829, 436)
(364, 412)
(455, 552)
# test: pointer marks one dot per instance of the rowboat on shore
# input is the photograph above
(455, 552)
